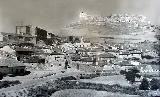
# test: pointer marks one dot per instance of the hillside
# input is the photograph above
(111, 25)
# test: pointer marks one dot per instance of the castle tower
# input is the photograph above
(82, 40)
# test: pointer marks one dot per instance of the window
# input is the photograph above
(57, 58)
(17, 70)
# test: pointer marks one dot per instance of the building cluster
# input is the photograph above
(35, 46)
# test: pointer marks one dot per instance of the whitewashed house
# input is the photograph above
(95, 51)
(136, 54)
(85, 61)
(149, 69)
(11, 66)
(82, 44)
(107, 69)
(124, 55)
(106, 58)
(56, 59)
(86, 64)
(136, 63)
(125, 65)
(8, 49)
(46, 50)
(82, 51)
(68, 48)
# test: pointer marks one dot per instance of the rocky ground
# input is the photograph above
(47, 86)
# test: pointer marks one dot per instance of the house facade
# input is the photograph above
(56, 59)
(82, 44)
(11, 66)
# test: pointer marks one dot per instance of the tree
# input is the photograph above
(71, 39)
(66, 64)
(154, 84)
(131, 74)
(94, 60)
(123, 72)
(77, 40)
(1, 76)
(144, 84)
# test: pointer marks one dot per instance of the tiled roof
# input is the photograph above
(83, 50)
(124, 53)
(84, 55)
(87, 60)
(136, 52)
(125, 63)
(56, 53)
(10, 62)
(145, 66)
(110, 50)
(107, 55)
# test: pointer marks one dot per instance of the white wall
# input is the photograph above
(56, 59)
(1, 37)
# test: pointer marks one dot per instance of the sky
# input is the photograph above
(55, 14)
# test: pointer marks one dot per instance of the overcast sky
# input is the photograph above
(54, 14)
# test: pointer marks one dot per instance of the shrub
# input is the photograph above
(131, 74)
(122, 72)
(144, 84)
(4, 84)
(154, 84)
(147, 57)
(1, 76)
(68, 78)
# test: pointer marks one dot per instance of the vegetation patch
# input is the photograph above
(5, 84)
